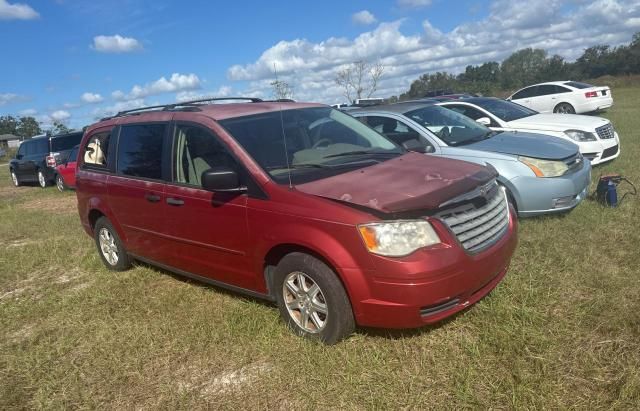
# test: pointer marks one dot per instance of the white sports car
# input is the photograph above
(565, 97)
(596, 137)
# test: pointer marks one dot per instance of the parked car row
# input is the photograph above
(390, 216)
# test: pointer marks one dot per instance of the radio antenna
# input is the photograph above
(284, 136)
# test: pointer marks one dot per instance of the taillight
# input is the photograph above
(51, 161)
(591, 94)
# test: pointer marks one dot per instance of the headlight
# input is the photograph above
(544, 168)
(398, 238)
(579, 135)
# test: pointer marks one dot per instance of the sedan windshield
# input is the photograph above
(451, 127)
(309, 143)
(505, 110)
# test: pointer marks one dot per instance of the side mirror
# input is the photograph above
(485, 121)
(415, 146)
(19, 156)
(221, 179)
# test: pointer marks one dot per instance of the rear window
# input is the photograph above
(577, 84)
(67, 142)
(140, 150)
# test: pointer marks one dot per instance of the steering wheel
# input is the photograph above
(444, 133)
(321, 142)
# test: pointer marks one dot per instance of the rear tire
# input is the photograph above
(42, 179)
(14, 178)
(564, 108)
(312, 301)
(110, 247)
(60, 183)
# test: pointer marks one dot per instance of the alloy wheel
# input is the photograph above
(59, 182)
(108, 246)
(305, 302)
(41, 180)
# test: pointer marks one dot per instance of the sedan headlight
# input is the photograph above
(579, 135)
(398, 238)
(544, 168)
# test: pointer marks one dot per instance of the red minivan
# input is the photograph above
(299, 204)
(65, 174)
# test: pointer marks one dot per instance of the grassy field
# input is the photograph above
(561, 331)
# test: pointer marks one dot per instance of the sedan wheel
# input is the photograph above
(41, 179)
(60, 183)
(564, 108)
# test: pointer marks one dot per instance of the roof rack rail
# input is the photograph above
(173, 106)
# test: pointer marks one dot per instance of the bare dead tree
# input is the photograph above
(282, 89)
(359, 79)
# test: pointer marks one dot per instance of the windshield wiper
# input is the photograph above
(361, 152)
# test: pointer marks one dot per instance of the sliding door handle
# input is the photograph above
(175, 201)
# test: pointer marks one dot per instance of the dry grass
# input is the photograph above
(562, 330)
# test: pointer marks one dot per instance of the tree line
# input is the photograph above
(530, 66)
(28, 126)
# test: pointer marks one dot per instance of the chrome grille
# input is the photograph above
(479, 227)
(605, 132)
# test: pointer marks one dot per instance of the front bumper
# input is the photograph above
(537, 196)
(436, 283)
(602, 150)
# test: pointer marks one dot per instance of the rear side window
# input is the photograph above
(96, 152)
(65, 142)
(560, 89)
(38, 146)
(546, 89)
(527, 92)
(140, 150)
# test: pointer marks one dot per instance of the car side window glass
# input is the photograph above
(560, 89)
(546, 89)
(22, 150)
(395, 130)
(140, 150)
(197, 150)
(40, 146)
(96, 152)
(524, 93)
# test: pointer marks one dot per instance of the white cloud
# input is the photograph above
(91, 98)
(9, 98)
(30, 112)
(224, 91)
(310, 67)
(17, 11)
(115, 44)
(363, 17)
(414, 3)
(60, 115)
(176, 83)
(117, 107)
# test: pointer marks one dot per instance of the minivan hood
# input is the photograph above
(559, 122)
(410, 182)
(527, 144)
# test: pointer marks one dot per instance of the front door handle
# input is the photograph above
(175, 201)
(152, 198)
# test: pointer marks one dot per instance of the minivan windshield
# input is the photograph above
(307, 144)
(505, 110)
(451, 127)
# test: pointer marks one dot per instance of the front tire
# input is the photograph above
(110, 247)
(42, 179)
(14, 178)
(312, 301)
(564, 108)
(60, 183)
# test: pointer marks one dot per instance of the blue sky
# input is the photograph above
(76, 60)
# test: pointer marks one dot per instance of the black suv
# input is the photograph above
(37, 158)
